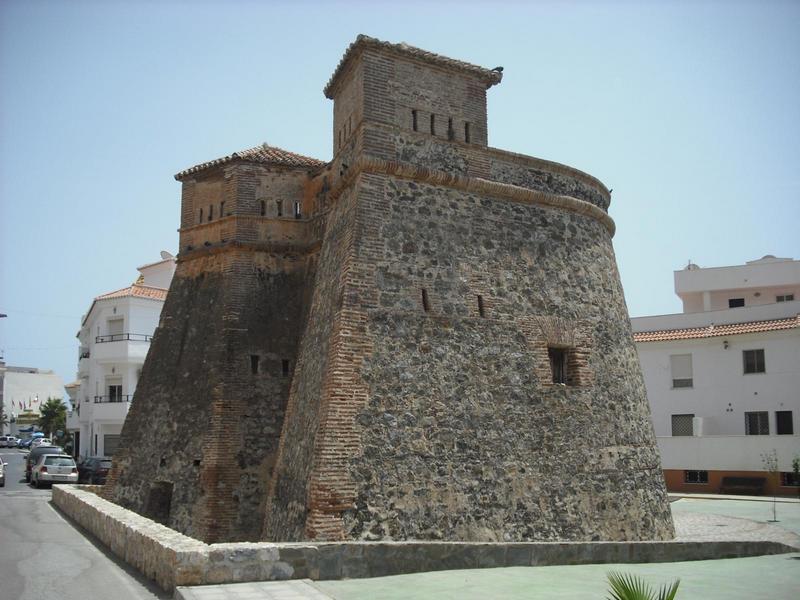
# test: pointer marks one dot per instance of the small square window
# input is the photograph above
(735, 302)
(756, 423)
(753, 361)
(785, 298)
(682, 425)
(700, 477)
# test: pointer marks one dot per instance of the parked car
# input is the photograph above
(42, 441)
(54, 468)
(5, 441)
(2, 473)
(26, 443)
(94, 470)
(33, 457)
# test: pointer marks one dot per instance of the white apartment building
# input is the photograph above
(114, 339)
(723, 377)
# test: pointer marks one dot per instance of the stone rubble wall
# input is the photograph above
(172, 559)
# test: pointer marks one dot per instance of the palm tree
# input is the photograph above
(630, 587)
(52, 416)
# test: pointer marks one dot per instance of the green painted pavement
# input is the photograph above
(765, 577)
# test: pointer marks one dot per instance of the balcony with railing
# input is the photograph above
(123, 337)
(111, 408)
(121, 347)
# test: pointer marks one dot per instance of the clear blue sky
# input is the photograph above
(690, 111)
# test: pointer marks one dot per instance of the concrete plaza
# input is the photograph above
(697, 518)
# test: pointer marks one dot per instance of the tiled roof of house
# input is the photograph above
(263, 154)
(489, 76)
(716, 330)
(138, 291)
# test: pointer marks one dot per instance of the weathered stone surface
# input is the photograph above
(362, 350)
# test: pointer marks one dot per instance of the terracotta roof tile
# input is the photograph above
(716, 330)
(263, 154)
(489, 76)
(138, 291)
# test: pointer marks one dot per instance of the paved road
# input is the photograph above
(42, 555)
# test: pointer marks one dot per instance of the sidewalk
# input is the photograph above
(697, 518)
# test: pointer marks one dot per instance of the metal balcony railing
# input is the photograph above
(117, 398)
(123, 337)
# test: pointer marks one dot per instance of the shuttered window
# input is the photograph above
(681, 367)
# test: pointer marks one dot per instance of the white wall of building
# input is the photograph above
(28, 387)
(721, 393)
(115, 361)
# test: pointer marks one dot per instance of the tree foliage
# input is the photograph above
(52, 416)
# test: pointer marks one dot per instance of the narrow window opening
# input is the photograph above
(558, 364)
(340, 138)
(285, 367)
(426, 305)
(210, 211)
(297, 211)
(279, 204)
(451, 133)
(481, 309)
(735, 302)
(197, 462)
(414, 120)
(466, 132)
(263, 208)
(201, 215)
(433, 124)
(254, 364)
(222, 209)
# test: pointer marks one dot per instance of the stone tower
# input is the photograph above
(425, 338)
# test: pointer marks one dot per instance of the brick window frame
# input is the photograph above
(573, 338)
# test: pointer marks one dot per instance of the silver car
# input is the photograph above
(54, 468)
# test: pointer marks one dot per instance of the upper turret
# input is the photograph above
(378, 85)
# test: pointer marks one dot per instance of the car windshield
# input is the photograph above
(105, 464)
(59, 461)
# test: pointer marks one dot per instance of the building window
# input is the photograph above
(433, 124)
(681, 367)
(263, 208)
(451, 133)
(279, 205)
(297, 211)
(115, 393)
(210, 212)
(222, 209)
(753, 361)
(735, 302)
(695, 477)
(414, 125)
(466, 132)
(481, 308)
(682, 425)
(426, 305)
(790, 479)
(254, 364)
(783, 422)
(201, 215)
(784, 298)
(756, 423)
(558, 364)
(285, 367)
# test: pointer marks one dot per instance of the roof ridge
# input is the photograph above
(264, 154)
(490, 76)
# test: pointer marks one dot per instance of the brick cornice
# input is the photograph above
(476, 185)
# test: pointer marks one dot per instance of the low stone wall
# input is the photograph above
(173, 559)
